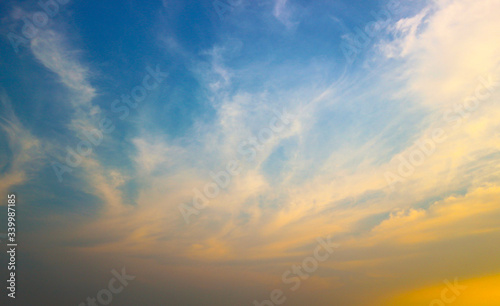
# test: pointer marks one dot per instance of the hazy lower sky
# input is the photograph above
(237, 152)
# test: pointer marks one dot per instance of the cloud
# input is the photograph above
(323, 175)
(26, 151)
(52, 51)
(446, 47)
(283, 12)
(443, 220)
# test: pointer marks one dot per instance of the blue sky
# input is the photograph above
(349, 118)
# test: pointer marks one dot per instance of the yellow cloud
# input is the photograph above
(452, 217)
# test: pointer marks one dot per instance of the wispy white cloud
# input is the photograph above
(26, 151)
(51, 50)
(331, 178)
(283, 12)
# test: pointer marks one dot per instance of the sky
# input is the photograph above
(236, 152)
